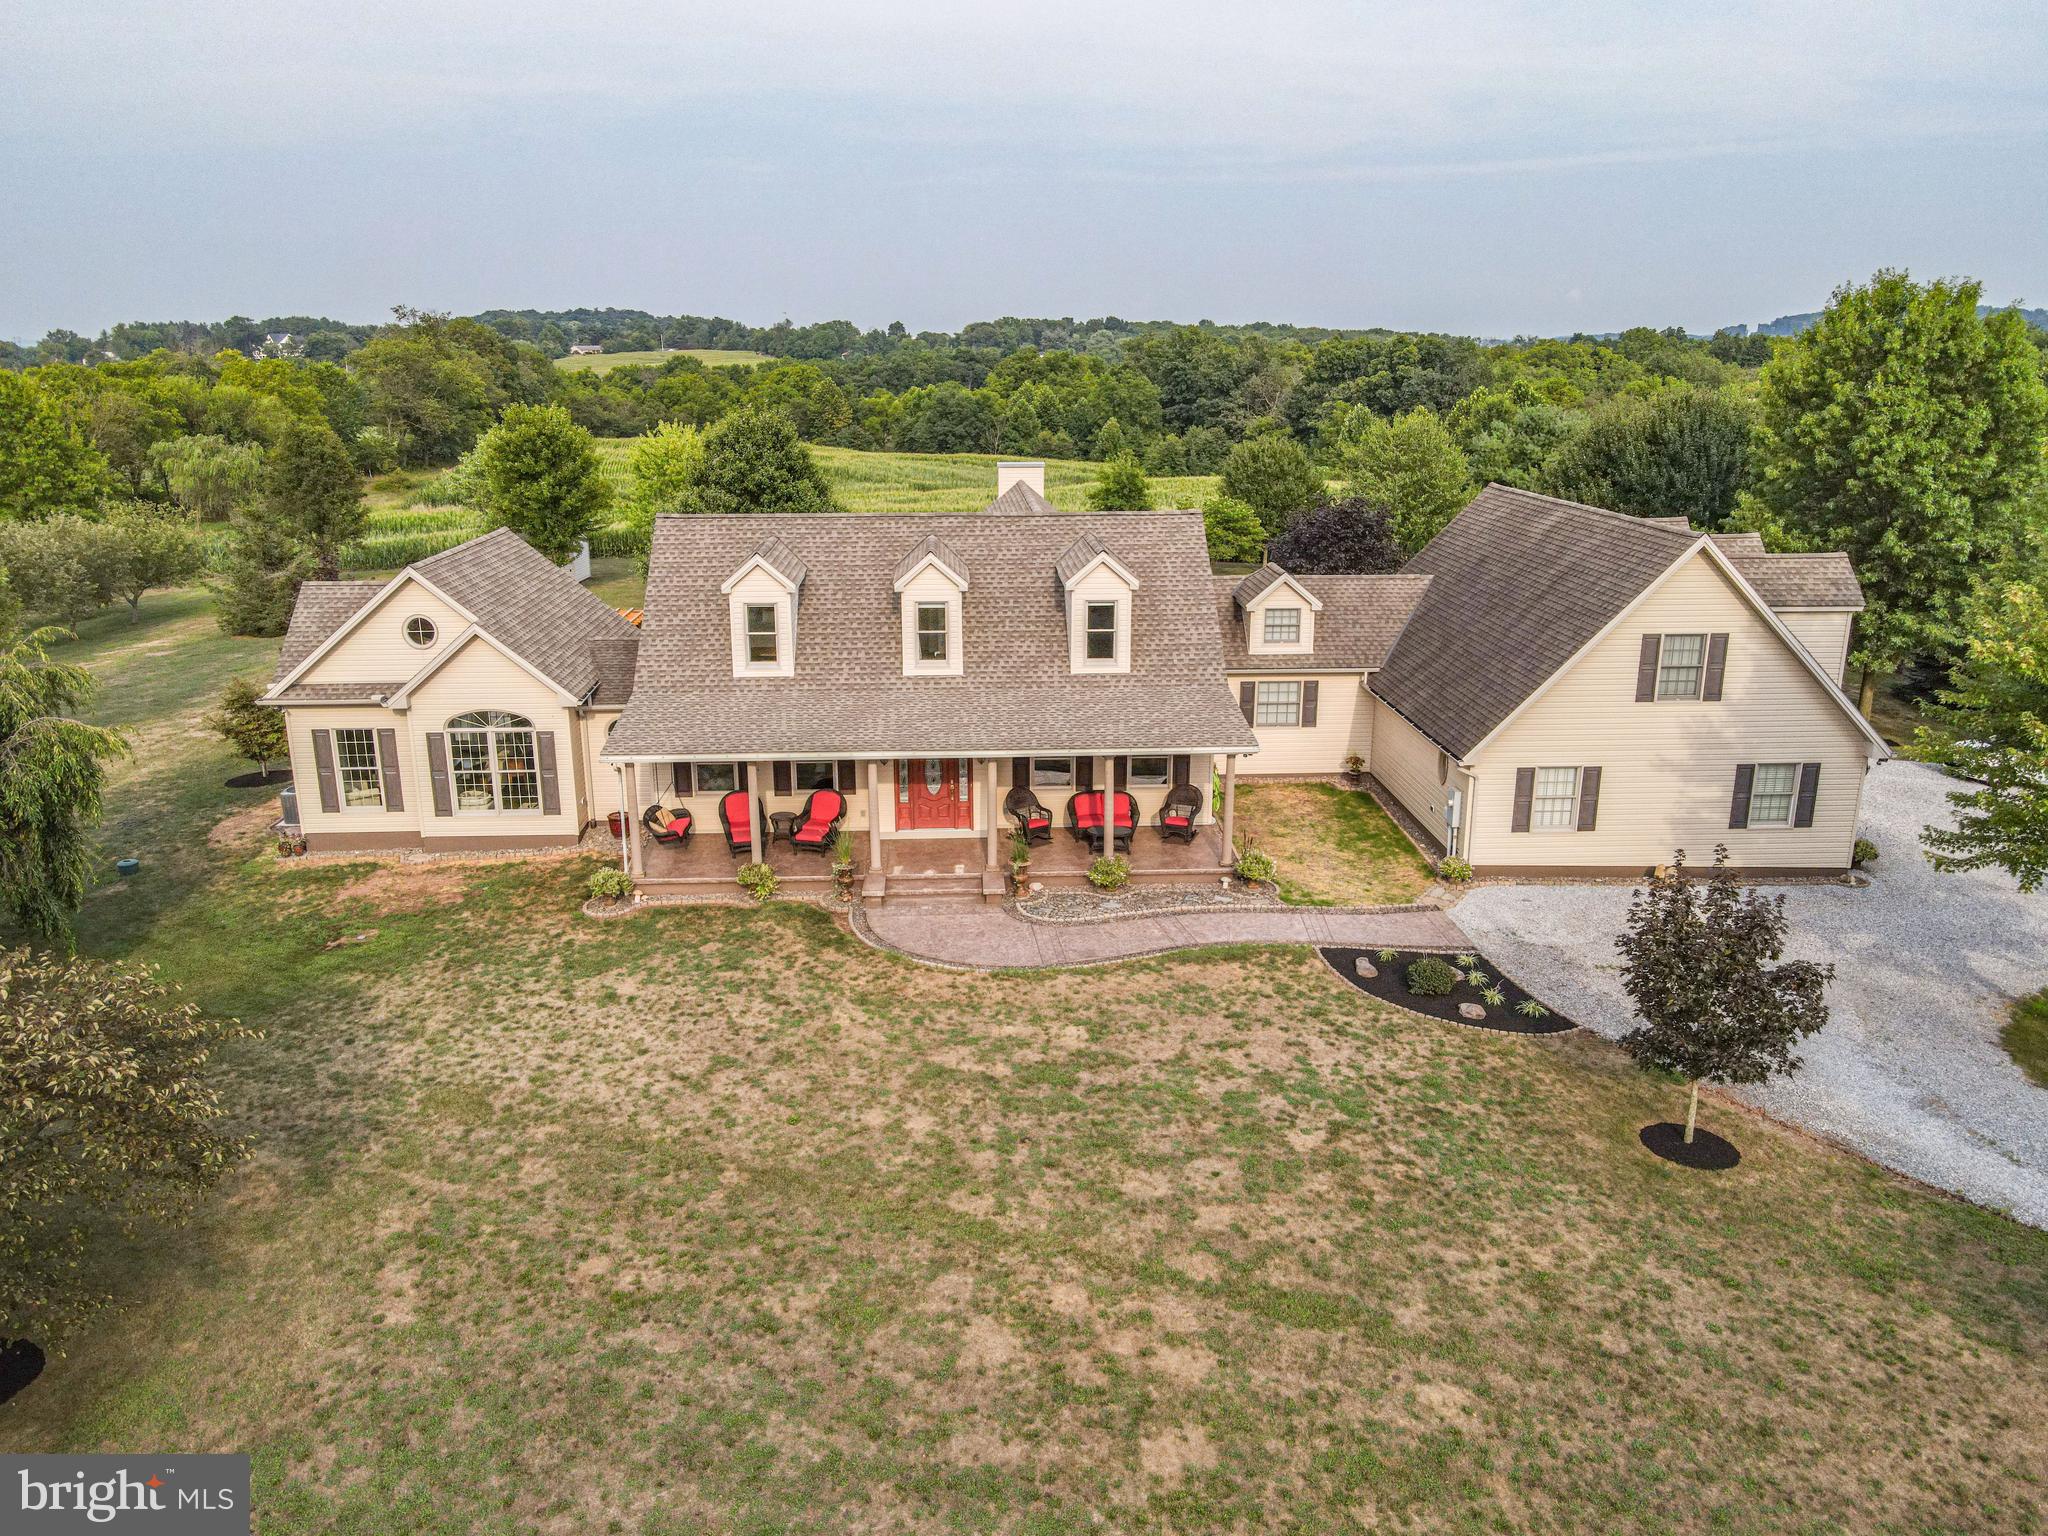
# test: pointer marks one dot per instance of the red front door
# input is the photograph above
(934, 792)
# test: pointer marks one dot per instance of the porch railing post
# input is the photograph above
(1229, 805)
(755, 831)
(992, 824)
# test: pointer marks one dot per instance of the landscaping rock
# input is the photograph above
(1471, 1011)
(1365, 967)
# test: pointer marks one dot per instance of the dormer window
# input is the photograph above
(1279, 613)
(1283, 626)
(762, 649)
(1101, 632)
(931, 632)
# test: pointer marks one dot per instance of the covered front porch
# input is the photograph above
(936, 826)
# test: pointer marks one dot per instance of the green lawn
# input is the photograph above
(1331, 846)
(2025, 1036)
(717, 1220)
(710, 357)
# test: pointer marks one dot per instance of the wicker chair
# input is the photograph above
(666, 826)
(1177, 815)
(739, 839)
(1085, 813)
(1034, 821)
(818, 821)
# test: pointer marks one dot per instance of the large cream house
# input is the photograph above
(1547, 688)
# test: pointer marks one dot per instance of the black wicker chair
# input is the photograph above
(666, 826)
(1177, 815)
(1034, 821)
(1087, 810)
(818, 821)
(739, 839)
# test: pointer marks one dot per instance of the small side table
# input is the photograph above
(781, 824)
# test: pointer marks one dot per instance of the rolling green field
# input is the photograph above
(710, 357)
(715, 1220)
(407, 523)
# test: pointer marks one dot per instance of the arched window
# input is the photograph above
(492, 761)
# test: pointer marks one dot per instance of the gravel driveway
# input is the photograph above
(1909, 1070)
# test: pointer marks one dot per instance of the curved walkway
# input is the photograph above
(990, 938)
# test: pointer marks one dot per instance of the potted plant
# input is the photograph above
(1354, 769)
(842, 864)
(1020, 863)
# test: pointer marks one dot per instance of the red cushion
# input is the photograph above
(1088, 814)
(1126, 811)
(1037, 821)
(1175, 821)
(680, 819)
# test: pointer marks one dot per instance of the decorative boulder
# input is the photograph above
(1471, 1011)
(1365, 967)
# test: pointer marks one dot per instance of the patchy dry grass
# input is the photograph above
(1333, 846)
(2025, 1037)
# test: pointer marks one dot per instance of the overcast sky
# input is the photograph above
(1489, 168)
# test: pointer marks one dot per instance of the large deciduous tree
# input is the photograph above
(63, 568)
(107, 1123)
(46, 463)
(153, 548)
(1120, 486)
(660, 469)
(1994, 729)
(208, 476)
(1234, 530)
(1413, 467)
(1906, 429)
(755, 462)
(52, 780)
(1272, 475)
(1697, 962)
(543, 479)
(315, 494)
(1683, 453)
(1348, 537)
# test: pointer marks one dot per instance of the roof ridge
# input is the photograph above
(1689, 534)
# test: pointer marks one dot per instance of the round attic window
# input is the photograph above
(420, 631)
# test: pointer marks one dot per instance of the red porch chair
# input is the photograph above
(819, 820)
(739, 836)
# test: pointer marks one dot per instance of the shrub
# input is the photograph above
(1431, 977)
(1253, 865)
(842, 849)
(1466, 962)
(1529, 1008)
(1387, 956)
(1864, 851)
(609, 884)
(1493, 997)
(1455, 870)
(1111, 872)
(757, 880)
(1478, 978)
(1020, 851)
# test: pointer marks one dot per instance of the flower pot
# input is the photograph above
(617, 822)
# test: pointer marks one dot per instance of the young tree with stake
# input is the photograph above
(1699, 967)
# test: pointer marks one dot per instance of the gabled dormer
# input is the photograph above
(762, 599)
(931, 596)
(1098, 591)
(1278, 613)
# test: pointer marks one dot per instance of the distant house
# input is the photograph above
(280, 344)
(585, 351)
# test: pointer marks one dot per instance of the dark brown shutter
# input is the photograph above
(1809, 790)
(323, 767)
(1589, 798)
(1745, 781)
(1084, 773)
(1120, 772)
(683, 777)
(1182, 766)
(785, 776)
(550, 786)
(848, 772)
(1020, 772)
(1646, 669)
(437, 771)
(1717, 664)
(1246, 695)
(387, 759)
(1308, 702)
(1525, 795)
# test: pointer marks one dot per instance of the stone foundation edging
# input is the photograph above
(1275, 905)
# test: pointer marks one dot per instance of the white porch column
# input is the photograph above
(989, 795)
(755, 829)
(629, 824)
(874, 815)
(1229, 806)
(1105, 781)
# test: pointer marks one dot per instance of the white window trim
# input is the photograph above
(491, 733)
(1268, 615)
(1571, 820)
(376, 766)
(1073, 772)
(784, 605)
(953, 664)
(1164, 781)
(1757, 823)
(1258, 705)
(1699, 684)
(433, 631)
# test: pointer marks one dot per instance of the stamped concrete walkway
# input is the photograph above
(990, 937)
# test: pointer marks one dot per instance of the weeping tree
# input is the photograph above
(52, 779)
(1700, 961)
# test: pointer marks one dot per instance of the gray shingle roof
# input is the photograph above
(1361, 618)
(1077, 557)
(849, 696)
(1793, 581)
(321, 609)
(932, 547)
(521, 598)
(781, 559)
(1522, 581)
(1020, 500)
(1248, 591)
(337, 693)
(614, 655)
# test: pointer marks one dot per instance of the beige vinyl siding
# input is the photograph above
(759, 587)
(299, 726)
(1406, 764)
(601, 780)
(1101, 585)
(1824, 632)
(1668, 769)
(1344, 725)
(480, 677)
(377, 650)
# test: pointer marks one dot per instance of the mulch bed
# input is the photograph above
(1390, 986)
(1707, 1151)
(260, 780)
(21, 1362)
